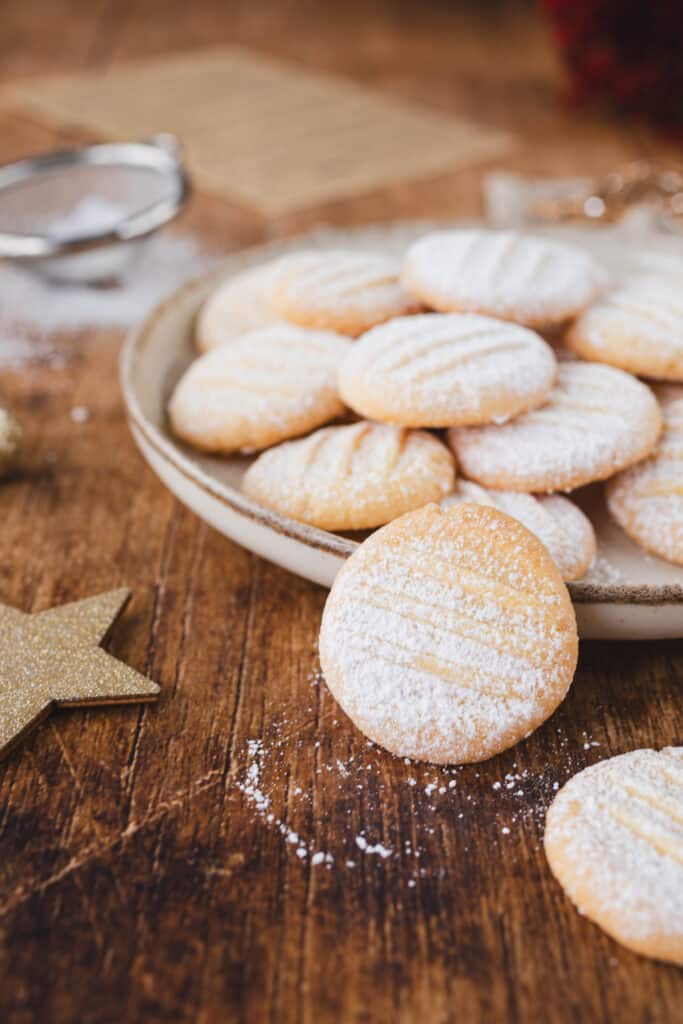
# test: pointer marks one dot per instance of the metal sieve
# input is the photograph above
(83, 215)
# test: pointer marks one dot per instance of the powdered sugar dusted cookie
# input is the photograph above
(647, 500)
(557, 522)
(340, 290)
(261, 389)
(596, 421)
(614, 840)
(240, 304)
(448, 636)
(638, 327)
(532, 281)
(352, 477)
(437, 370)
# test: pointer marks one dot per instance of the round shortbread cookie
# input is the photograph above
(638, 327)
(647, 500)
(439, 370)
(564, 529)
(352, 477)
(339, 290)
(239, 305)
(614, 841)
(263, 388)
(533, 281)
(448, 636)
(596, 421)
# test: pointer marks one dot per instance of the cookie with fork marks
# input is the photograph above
(532, 281)
(449, 636)
(352, 477)
(597, 420)
(440, 370)
(614, 841)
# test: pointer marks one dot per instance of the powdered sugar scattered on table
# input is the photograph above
(312, 816)
(80, 414)
(33, 310)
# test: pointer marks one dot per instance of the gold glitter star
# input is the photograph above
(53, 658)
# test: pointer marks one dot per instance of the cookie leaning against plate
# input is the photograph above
(647, 500)
(240, 304)
(597, 420)
(614, 841)
(264, 387)
(560, 524)
(448, 636)
(352, 477)
(637, 327)
(438, 370)
(339, 290)
(529, 280)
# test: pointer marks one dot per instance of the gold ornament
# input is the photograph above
(10, 441)
(53, 658)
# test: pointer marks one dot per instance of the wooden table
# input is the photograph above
(140, 878)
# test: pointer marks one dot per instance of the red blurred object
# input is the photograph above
(625, 54)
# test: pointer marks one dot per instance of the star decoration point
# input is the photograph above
(53, 658)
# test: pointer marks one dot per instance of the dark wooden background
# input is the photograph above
(138, 881)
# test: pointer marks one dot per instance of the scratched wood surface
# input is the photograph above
(157, 863)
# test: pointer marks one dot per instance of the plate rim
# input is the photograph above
(310, 536)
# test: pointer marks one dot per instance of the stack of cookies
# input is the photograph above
(451, 359)
(436, 400)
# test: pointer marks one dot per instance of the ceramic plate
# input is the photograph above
(628, 594)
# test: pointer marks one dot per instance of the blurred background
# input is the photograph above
(290, 115)
(580, 86)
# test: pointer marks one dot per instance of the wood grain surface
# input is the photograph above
(140, 877)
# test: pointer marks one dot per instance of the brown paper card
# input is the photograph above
(267, 134)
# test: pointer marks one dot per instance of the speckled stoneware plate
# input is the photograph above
(627, 595)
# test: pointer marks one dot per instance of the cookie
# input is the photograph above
(647, 500)
(557, 522)
(449, 636)
(352, 477)
(614, 841)
(532, 281)
(339, 290)
(239, 305)
(596, 421)
(638, 327)
(264, 387)
(439, 370)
